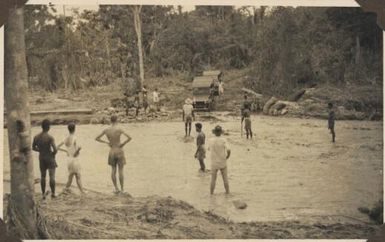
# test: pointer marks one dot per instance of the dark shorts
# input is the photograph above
(188, 119)
(116, 157)
(47, 163)
(201, 154)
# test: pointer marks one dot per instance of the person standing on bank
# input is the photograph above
(220, 153)
(44, 143)
(331, 119)
(72, 150)
(116, 158)
(200, 153)
(145, 98)
(155, 98)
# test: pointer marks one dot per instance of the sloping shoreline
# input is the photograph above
(104, 216)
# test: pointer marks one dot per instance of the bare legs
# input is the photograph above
(202, 164)
(214, 179)
(78, 181)
(121, 177)
(187, 128)
(51, 173)
(249, 133)
(333, 134)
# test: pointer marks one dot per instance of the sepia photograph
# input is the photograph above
(192, 122)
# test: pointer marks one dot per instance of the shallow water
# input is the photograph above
(290, 170)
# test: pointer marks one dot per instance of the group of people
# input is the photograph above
(44, 143)
(219, 149)
(145, 103)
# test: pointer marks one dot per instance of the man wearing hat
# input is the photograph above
(220, 152)
(188, 115)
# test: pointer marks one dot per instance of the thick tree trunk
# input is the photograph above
(138, 30)
(22, 210)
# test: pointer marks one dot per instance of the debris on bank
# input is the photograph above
(103, 216)
(350, 104)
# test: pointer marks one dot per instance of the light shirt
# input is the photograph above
(70, 143)
(188, 109)
(218, 148)
(155, 96)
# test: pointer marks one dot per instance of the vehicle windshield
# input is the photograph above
(201, 91)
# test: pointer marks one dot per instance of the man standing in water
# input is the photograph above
(188, 115)
(116, 158)
(200, 154)
(220, 152)
(45, 145)
(246, 118)
(331, 121)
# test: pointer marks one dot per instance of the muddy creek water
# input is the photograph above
(290, 170)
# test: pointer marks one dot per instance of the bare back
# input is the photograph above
(113, 135)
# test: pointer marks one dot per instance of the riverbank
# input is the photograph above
(351, 102)
(104, 216)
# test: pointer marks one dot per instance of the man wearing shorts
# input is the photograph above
(220, 152)
(200, 153)
(188, 115)
(246, 118)
(45, 145)
(116, 158)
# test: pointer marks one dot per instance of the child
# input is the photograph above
(246, 118)
(72, 152)
(200, 154)
(220, 152)
(45, 145)
(331, 121)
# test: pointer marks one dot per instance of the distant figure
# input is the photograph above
(220, 152)
(246, 118)
(200, 153)
(145, 98)
(137, 103)
(45, 145)
(220, 88)
(331, 119)
(188, 115)
(126, 101)
(72, 150)
(116, 156)
(155, 98)
(246, 104)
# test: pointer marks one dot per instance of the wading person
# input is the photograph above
(220, 152)
(45, 145)
(72, 150)
(246, 118)
(200, 153)
(188, 115)
(116, 158)
(331, 121)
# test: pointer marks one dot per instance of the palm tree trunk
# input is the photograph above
(21, 208)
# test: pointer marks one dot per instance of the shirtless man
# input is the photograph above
(44, 143)
(116, 156)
